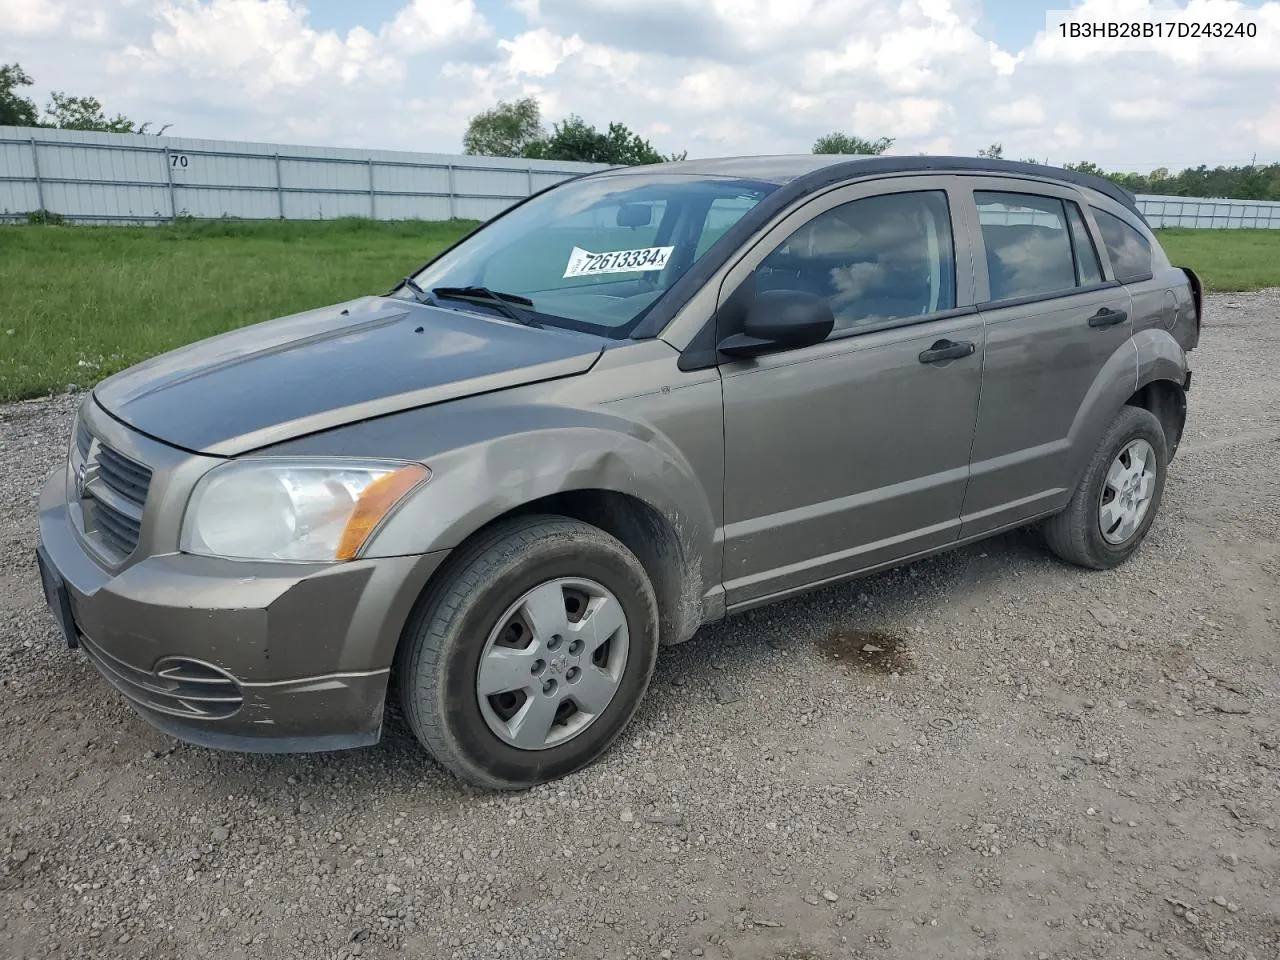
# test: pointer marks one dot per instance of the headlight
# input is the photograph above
(309, 510)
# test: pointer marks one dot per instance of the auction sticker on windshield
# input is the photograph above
(584, 263)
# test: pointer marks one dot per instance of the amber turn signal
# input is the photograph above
(375, 502)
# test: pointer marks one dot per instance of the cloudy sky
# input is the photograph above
(714, 77)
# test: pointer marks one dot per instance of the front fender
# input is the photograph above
(510, 455)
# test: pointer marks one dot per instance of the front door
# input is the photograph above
(854, 452)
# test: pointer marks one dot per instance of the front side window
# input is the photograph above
(1028, 244)
(595, 254)
(1128, 249)
(874, 260)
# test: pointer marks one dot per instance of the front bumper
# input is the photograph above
(261, 657)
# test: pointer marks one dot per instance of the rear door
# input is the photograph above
(853, 452)
(1158, 293)
(1054, 322)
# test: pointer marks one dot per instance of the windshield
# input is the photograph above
(595, 254)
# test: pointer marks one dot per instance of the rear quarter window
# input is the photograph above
(1128, 249)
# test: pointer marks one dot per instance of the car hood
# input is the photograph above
(285, 378)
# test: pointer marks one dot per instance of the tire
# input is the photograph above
(1077, 534)
(492, 609)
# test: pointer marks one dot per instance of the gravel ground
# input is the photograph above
(1036, 762)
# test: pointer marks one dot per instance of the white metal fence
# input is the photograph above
(126, 178)
(1210, 214)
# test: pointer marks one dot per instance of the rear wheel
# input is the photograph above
(531, 655)
(1116, 502)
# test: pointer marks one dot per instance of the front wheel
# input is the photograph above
(1115, 504)
(531, 655)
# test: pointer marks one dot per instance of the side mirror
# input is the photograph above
(634, 215)
(780, 320)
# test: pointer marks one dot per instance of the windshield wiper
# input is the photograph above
(418, 293)
(504, 303)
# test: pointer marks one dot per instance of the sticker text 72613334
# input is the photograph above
(584, 263)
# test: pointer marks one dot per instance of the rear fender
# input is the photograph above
(1160, 357)
(1114, 384)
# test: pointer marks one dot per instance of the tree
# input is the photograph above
(15, 110)
(85, 113)
(507, 130)
(993, 152)
(575, 139)
(1084, 166)
(1247, 182)
(63, 111)
(848, 143)
(514, 129)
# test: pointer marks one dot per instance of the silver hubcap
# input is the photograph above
(1127, 492)
(553, 663)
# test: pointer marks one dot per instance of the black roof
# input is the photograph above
(779, 169)
(810, 171)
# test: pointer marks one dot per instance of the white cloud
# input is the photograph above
(1146, 110)
(710, 76)
(430, 24)
(33, 18)
(47, 18)
(1012, 115)
(263, 47)
(1266, 128)
(907, 117)
(538, 52)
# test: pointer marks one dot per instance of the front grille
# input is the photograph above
(84, 439)
(117, 489)
(123, 475)
(178, 686)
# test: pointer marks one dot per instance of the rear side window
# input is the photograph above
(1028, 244)
(874, 260)
(1128, 249)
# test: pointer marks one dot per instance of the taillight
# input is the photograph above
(1197, 295)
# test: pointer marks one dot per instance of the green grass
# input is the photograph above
(80, 303)
(1226, 259)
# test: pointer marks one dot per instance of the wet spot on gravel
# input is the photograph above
(870, 651)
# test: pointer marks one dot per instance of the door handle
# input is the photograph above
(947, 350)
(1106, 317)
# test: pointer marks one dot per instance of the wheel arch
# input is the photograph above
(647, 533)
(1167, 400)
(637, 489)
(1148, 371)
(1162, 381)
